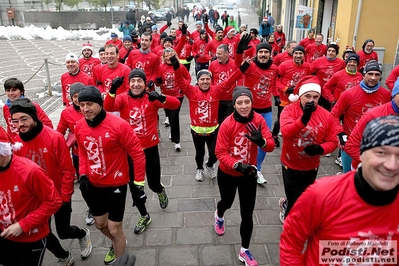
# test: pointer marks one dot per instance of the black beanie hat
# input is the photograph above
(218, 29)
(102, 49)
(202, 31)
(334, 46)
(75, 88)
(298, 48)
(163, 35)
(353, 56)
(204, 72)
(372, 65)
(24, 105)
(90, 94)
(241, 91)
(365, 43)
(168, 39)
(263, 45)
(138, 73)
(254, 31)
(381, 131)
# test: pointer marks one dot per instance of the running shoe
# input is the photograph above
(166, 123)
(199, 176)
(110, 257)
(283, 207)
(261, 179)
(219, 225)
(210, 171)
(67, 261)
(247, 258)
(85, 244)
(163, 199)
(142, 224)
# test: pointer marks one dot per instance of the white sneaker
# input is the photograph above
(328, 155)
(66, 262)
(199, 176)
(89, 219)
(166, 123)
(210, 171)
(261, 179)
(85, 244)
(177, 147)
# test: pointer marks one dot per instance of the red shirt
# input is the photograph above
(69, 118)
(353, 103)
(306, 41)
(118, 43)
(28, 197)
(282, 57)
(296, 136)
(49, 151)
(338, 83)
(147, 62)
(96, 77)
(325, 68)
(13, 130)
(221, 72)
(123, 53)
(280, 40)
(169, 84)
(212, 46)
(364, 58)
(105, 75)
(141, 114)
(68, 79)
(393, 76)
(103, 150)
(199, 48)
(313, 51)
(86, 65)
(232, 146)
(232, 44)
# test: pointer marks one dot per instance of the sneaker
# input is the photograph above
(142, 224)
(177, 147)
(66, 262)
(247, 258)
(261, 179)
(90, 219)
(110, 257)
(338, 161)
(279, 133)
(166, 123)
(328, 155)
(276, 142)
(85, 244)
(199, 176)
(163, 199)
(219, 225)
(210, 171)
(283, 207)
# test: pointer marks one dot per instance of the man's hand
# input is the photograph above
(343, 138)
(184, 29)
(159, 80)
(116, 83)
(308, 109)
(206, 18)
(246, 169)
(13, 230)
(169, 23)
(84, 183)
(152, 96)
(290, 89)
(313, 150)
(243, 44)
(256, 135)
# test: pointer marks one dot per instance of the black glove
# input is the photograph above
(169, 23)
(197, 56)
(150, 85)
(244, 67)
(290, 90)
(256, 135)
(243, 44)
(313, 150)
(307, 112)
(189, 58)
(277, 101)
(152, 96)
(191, 41)
(84, 183)
(343, 138)
(246, 169)
(138, 194)
(175, 62)
(116, 83)
(125, 260)
(206, 18)
(66, 207)
(184, 29)
(159, 80)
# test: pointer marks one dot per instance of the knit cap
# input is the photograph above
(154, 27)
(168, 39)
(254, 31)
(305, 84)
(24, 105)
(218, 29)
(354, 57)
(372, 65)
(90, 94)
(114, 35)
(75, 88)
(263, 45)
(71, 56)
(7, 143)
(241, 91)
(334, 46)
(204, 72)
(299, 48)
(137, 73)
(127, 38)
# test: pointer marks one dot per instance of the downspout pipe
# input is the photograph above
(359, 10)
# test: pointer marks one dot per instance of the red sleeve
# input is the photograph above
(45, 191)
(339, 109)
(113, 104)
(164, 27)
(43, 117)
(181, 44)
(186, 87)
(209, 31)
(68, 171)
(393, 76)
(290, 125)
(62, 124)
(171, 103)
(267, 135)
(238, 60)
(328, 89)
(227, 85)
(222, 149)
(330, 142)
(83, 168)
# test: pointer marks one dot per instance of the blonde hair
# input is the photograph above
(169, 50)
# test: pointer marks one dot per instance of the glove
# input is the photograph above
(116, 83)
(191, 41)
(150, 85)
(152, 96)
(206, 18)
(184, 29)
(243, 44)
(244, 66)
(246, 169)
(169, 23)
(343, 138)
(313, 150)
(189, 58)
(175, 62)
(290, 90)
(307, 112)
(138, 194)
(256, 135)
(277, 101)
(125, 260)
(197, 56)
(158, 80)
(84, 183)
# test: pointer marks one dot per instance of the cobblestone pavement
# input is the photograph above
(183, 233)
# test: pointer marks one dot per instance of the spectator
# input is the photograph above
(265, 29)
(126, 28)
(131, 17)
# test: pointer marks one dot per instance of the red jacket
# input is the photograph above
(50, 152)
(147, 62)
(68, 79)
(364, 58)
(282, 57)
(69, 118)
(338, 83)
(232, 146)
(169, 84)
(118, 43)
(353, 103)
(106, 75)
(325, 68)
(331, 210)
(313, 51)
(141, 114)
(13, 130)
(103, 150)
(221, 72)
(232, 44)
(212, 46)
(352, 147)
(28, 197)
(199, 48)
(296, 136)
(306, 41)
(393, 76)
(87, 65)
(280, 40)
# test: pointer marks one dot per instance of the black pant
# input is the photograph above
(137, 196)
(187, 66)
(225, 109)
(295, 183)
(246, 186)
(199, 66)
(174, 121)
(22, 254)
(199, 144)
(276, 127)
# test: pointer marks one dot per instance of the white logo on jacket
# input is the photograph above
(203, 111)
(7, 212)
(241, 147)
(137, 120)
(94, 152)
